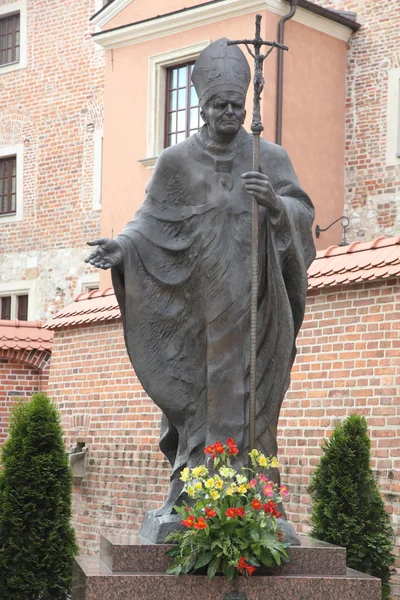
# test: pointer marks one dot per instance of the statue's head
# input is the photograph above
(221, 77)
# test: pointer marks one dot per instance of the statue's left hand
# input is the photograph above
(259, 186)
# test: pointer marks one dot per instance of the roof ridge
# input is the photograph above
(18, 323)
(374, 244)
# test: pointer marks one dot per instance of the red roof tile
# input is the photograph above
(24, 335)
(88, 308)
(360, 261)
(336, 265)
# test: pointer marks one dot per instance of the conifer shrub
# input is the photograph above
(37, 541)
(347, 508)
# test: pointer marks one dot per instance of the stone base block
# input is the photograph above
(133, 553)
(132, 568)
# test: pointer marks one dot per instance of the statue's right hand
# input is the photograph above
(107, 254)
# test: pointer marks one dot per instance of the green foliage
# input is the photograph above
(347, 507)
(37, 542)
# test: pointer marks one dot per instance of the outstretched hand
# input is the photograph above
(259, 186)
(107, 254)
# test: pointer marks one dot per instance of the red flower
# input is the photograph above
(240, 512)
(231, 512)
(201, 524)
(210, 450)
(232, 447)
(256, 504)
(271, 507)
(210, 512)
(189, 522)
(244, 566)
(219, 448)
(280, 536)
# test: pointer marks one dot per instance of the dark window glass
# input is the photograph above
(22, 308)
(5, 302)
(9, 39)
(8, 185)
(182, 105)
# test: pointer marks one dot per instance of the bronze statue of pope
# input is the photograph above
(181, 271)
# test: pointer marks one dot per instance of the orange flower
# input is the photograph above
(256, 504)
(189, 522)
(210, 512)
(231, 512)
(201, 524)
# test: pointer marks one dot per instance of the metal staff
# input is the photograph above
(256, 128)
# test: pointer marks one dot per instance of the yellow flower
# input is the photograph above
(274, 463)
(254, 454)
(229, 491)
(227, 472)
(242, 489)
(241, 479)
(209, 483)
(201, 471)
(214, 494)
(190, 491)
(198, 486)
(218, 483)
(185, 475)
(262, 461)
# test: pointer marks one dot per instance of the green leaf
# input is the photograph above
(213, 567)
(203, 560)
(254, 534)
(228, 570)
(174, 570)
(253, 561)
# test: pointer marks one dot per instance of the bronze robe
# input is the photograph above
(184, 290)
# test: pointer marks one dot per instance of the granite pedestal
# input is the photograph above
(132, 568)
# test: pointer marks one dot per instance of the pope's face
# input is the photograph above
(224, 113)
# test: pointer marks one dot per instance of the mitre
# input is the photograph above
(220, 68)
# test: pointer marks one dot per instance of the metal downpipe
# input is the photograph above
(279, 104)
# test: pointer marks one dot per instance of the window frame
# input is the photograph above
(13, 32)
(19, 288)
(393, 119)
(9, 213)
(9, 9)
(158, 65)
(16, 150)
(188, 106)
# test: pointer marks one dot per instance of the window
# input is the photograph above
(182, 105)
(97, 168)
(393, 119)
(14, 306)
(9, 39)
(159, 65)
(8, 185)
(11, 183)
(13, 36)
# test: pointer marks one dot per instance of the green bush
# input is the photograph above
(347, 507)
(37, 542)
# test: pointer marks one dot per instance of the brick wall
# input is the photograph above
(372, 198)
(348, 361)
(53, 107)
(22, 373)
(103, 405)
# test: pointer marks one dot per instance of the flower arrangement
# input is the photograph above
(231, 523)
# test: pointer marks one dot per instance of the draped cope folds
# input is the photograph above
(184, 290)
